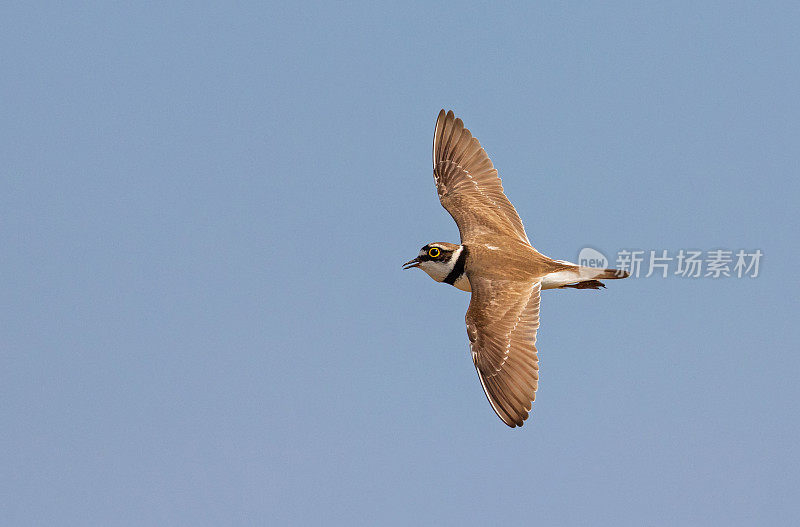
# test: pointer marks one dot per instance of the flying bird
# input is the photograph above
(497, 264)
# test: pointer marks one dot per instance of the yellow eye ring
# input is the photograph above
(434, 252)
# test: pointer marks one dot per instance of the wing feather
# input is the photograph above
(502, 322)
(468, 185)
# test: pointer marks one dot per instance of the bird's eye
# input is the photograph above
(434, 252)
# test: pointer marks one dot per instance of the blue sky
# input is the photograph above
(204, 213)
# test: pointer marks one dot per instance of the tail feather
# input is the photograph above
(581, 277)
(610, 274)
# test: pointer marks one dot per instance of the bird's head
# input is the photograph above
(437, 259)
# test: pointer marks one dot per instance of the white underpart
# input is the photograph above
(492, 247)
(570, 276)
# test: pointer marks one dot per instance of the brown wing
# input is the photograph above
(502, 321)
(468, 185)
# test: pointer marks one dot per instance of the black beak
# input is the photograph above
(411, 263)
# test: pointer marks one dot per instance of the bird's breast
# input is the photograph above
(462, 282)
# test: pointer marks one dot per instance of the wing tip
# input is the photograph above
(512, 417)
(451, 138)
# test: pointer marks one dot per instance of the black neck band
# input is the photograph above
(458, 268)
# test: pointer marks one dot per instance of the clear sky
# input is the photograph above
(204, 211)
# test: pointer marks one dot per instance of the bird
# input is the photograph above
(497, 264)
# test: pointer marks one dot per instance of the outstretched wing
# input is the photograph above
(468, 186)
(502, 321)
